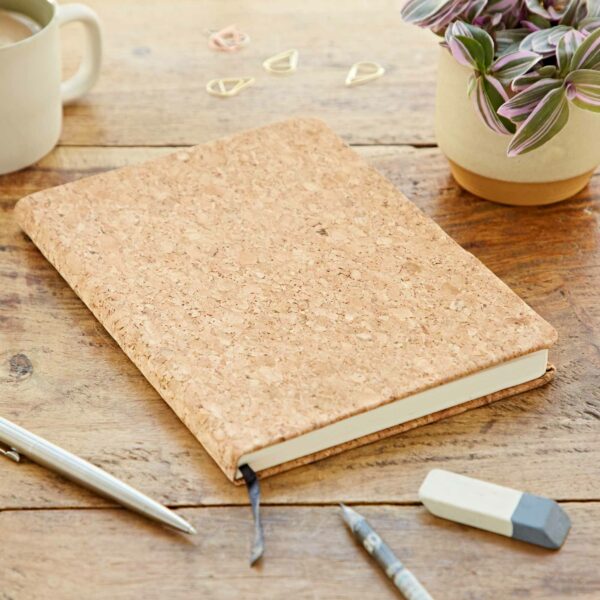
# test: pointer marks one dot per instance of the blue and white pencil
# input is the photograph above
(402, 578)
(495, 508)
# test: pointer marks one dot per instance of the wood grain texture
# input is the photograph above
(62, 376)
(310, 554)
(157, 64)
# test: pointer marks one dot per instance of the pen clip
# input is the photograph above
(10, 453)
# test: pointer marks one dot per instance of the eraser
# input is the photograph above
(495, 508)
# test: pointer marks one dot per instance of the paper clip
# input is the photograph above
(363, 72)
(229, 86)
(283, 63)
(228, 39)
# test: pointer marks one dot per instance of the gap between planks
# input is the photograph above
(416, 145)
(174, 506)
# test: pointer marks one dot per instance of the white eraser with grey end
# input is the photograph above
(495, 508)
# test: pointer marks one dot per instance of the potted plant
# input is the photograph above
(518, 88)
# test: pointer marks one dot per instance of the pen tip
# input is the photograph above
(351, 517)
(184, 526)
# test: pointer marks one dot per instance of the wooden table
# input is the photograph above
(62, 376)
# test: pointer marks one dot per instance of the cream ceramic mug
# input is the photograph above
(31, 90)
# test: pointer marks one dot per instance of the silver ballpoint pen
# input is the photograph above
(19, 441)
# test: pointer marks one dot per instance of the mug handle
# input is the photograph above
(89, 69)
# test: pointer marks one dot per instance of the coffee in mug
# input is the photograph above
(15, 27)
(31, 91)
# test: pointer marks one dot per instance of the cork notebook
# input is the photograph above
(284, 298)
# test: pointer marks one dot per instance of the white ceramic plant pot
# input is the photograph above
(555, 171)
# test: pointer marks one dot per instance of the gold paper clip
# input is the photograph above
(283, 63)
(230, 86)
(363, 72)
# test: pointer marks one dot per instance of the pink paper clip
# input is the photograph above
(228, 39)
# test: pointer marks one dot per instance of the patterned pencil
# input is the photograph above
(403, 579)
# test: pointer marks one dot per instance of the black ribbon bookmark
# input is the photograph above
(258, 545)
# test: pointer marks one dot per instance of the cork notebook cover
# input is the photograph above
(273, 282)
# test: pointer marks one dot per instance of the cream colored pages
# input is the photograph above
(272, 283)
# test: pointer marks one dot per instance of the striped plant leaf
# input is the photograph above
(583, 89)
(508, 40)
(472, 41)
(587, 56)
(508, 67)
(488, 94)
(543, 53)
(467, 51)
(537, 8)
(545, 72)
(589, 24)
(519, 107)
(474, 9)
(548, 118)
(574, 11)
(435, 14)
(566, 48)
(544, 41)
(418, 11)
(593, 8)
(444, 16)
(471, 83)
(535, 23)
(482, 37)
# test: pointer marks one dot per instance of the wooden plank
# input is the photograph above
(111, 554)
(62, 375)
(157, 64)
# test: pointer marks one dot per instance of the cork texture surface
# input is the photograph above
(273, 282)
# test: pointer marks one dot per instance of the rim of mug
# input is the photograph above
(29, 39)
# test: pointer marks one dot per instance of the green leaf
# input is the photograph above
(583, 89)
(573, 13)
(539, 21)
(521, 83)
(418, 10)
(593, 7)
(488, 96)
(473, 49)
(521, 105)
(566, 48)
(544, 41)
(485, 41)
(508, 40)
(549, 117)
(587, 56)
(512, 65)
(471, 84)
